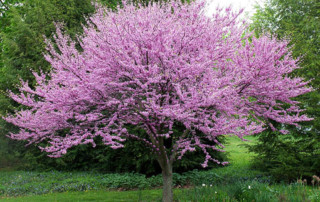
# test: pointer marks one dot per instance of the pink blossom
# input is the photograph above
(154, 67)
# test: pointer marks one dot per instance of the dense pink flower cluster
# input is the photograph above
(153, 67)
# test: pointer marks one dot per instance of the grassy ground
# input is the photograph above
(238, 153)
(235, 182)
(239, 157)
(101, 195)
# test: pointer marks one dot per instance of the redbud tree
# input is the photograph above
(154, 67)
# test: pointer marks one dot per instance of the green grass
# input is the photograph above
(239, 157)
(233, 192)
(235, 182)
(100, 195)
(238, 153)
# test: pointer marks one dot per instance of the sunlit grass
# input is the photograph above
(239, 157)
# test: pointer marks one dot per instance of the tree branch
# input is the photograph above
(175, 147)
(2, 4)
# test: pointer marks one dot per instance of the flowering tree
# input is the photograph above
(154, 67)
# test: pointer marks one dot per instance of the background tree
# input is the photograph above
(24, 23)
(4, 22)
(296, 154)
(152, 68)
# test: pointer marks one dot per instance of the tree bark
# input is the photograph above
(167, 193)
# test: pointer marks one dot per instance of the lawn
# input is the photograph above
(235, 182)
(100, 195)
(239, 157)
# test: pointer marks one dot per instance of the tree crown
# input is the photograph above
(154, 67)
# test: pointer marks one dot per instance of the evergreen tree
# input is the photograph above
(24, 24)
(296, 154)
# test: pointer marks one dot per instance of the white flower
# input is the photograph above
(215, 192)
(249, 187)
(210, 185)
(203, 185)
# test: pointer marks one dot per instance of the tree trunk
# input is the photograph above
(167, 193)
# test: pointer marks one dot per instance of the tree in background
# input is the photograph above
(23, 37)
(24, 23)
(155, 67)
(4, 23)
(296, 154)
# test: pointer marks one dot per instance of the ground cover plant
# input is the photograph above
(19, 183)
(158, 67)
(235, 182)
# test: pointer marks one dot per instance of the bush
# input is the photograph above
(287, 157)
(19, 183)
(210, 186)
(251, 190)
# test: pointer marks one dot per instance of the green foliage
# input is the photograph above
(133, 157)
(27, 183)
(35, 183)
(286, 157)
(24, 24)
(96, 196)
(251, 191)
(76, 185)
(297, 154)
(230, 183)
